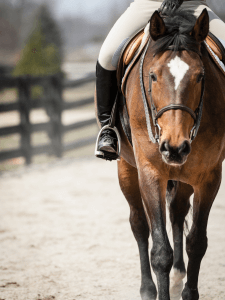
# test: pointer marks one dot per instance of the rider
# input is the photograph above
(132, 20)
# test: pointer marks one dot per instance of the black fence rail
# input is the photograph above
(54, 105)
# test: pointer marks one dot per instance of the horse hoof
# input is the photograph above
(190, 294)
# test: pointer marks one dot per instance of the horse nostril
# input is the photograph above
(184, 149)
(164, 147)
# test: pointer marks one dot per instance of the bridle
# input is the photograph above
(196, 115)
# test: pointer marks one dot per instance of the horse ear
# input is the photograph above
(201, 28)
(157, 26)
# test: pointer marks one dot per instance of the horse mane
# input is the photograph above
(178, 28)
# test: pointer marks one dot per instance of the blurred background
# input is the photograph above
(64, 223)
(52, 48)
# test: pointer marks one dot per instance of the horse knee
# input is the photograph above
(139, 224)
(162, 259)
(196, 245)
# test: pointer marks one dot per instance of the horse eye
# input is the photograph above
(153, 76)
(200, 77)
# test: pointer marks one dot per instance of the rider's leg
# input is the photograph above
(106, 89)
(134, 18)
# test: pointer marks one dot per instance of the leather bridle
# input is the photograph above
(196, 115)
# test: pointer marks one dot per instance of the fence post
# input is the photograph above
(55, 96)
(57, 91)
(24, 103)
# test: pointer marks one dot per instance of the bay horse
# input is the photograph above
(185, 95)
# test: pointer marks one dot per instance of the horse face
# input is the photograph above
(176, 80)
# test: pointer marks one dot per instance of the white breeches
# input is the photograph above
(136, 17)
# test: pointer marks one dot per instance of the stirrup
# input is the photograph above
(108, 155)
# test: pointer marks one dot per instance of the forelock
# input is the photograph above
(178, 28)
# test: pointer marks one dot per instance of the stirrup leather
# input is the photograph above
(108, 155)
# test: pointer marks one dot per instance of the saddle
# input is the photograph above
(132, 52)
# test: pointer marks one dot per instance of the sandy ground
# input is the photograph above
(64, 234)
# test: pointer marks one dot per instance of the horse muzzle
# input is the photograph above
(175, 155)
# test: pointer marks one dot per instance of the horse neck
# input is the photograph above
(214, 90)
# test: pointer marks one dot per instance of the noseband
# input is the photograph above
(196, 115)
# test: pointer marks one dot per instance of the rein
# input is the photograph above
(196, 115)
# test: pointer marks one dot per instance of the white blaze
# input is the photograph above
(178, 68)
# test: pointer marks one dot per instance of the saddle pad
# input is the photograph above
(216, 51)
(216, 59)
(211, 43)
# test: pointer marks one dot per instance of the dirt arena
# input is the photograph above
(65, 235)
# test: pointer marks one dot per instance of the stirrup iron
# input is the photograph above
(108, 155)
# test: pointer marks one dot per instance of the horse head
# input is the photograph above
(176, 75)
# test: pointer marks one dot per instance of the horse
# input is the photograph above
(185, 98)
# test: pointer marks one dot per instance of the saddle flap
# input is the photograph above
(131, 51)
(132, 48)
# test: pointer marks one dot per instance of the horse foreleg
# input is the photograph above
(178, 195)
(153, 190)
(196, 242)
(128, 179)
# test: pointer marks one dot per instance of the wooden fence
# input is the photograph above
(54, 105)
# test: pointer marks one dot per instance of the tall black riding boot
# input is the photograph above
(106, 90)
